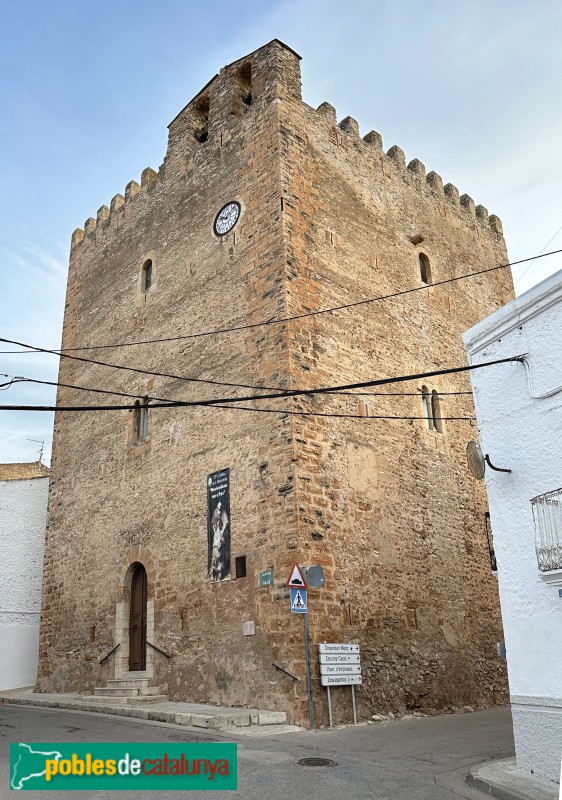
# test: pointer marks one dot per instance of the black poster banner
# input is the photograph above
(218, 524)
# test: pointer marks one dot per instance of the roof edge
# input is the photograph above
(23, 471)
(525, 306)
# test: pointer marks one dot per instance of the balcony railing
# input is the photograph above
(547, 513)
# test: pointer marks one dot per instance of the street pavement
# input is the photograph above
(421, 758)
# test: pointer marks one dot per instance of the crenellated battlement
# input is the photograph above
(414, 169)
(105, 216)
(233, 98)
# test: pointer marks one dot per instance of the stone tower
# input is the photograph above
(320, 218)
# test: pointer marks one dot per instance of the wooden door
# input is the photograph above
(137, 620)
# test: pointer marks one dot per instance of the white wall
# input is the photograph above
(524, 433)
(23, 514)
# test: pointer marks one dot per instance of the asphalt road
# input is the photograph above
(412, 759)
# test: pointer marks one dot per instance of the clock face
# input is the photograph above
(227, 218)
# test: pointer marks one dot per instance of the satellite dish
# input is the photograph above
(475, 460)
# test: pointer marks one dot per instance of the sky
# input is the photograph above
(87, 90)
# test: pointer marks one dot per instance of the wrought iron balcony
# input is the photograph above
(547, 513)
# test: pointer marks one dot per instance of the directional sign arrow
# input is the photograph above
(340, 680)
(339, 658)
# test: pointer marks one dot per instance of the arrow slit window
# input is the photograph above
(140, 420)
(432, 409)
(146, 277)
(425, 269)
(436, 412)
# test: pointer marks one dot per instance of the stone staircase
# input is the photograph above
(132, 688)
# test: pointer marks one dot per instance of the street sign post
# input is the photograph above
(341, 669)
(338, 648)
(340, 680)
(315, 577)
(340, 665)
(296, 578)
(339, 658)
(299, 605)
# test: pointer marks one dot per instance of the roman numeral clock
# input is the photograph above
(227, 218)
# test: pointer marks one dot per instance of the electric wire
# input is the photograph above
(263, 323)
(216, 402)
(552, 238)
(138, 370)
(26, 379)
(65, 353)
(21, 379)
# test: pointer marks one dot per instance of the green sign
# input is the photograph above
(121, 765)
(266, 577)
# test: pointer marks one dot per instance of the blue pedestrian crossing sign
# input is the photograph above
(299, 604)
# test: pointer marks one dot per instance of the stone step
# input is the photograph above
(122, 701)
(147, 698)
(137, 674)
(126, 691)
(102, 700)
(105, 691)
(128, 683)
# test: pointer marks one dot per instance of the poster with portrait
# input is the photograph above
(218, 524)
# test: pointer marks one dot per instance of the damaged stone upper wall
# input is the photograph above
(387, 506)
(114, 501)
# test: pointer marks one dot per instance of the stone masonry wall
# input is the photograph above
(387, 507)
(113, 503)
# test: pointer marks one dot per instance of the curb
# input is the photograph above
(210, 721)
(502, 779)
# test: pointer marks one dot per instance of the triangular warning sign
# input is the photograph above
(296, 578)
(298, 602)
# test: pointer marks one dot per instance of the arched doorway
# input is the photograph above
(137, 620)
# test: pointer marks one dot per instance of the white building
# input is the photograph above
(519, 410)
(23, 515)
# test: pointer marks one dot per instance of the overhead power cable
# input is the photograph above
(138, 370)
(216, 402)
(334, 414)
(22, 379)
(552, 238)
(211, 405)
(25, 379)
(66, 353)
(355, 304)
(279, 392)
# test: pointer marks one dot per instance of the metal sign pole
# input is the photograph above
(329, 707)
(354, 707)
(308, 679)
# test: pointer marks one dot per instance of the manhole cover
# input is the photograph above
(317, 762)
